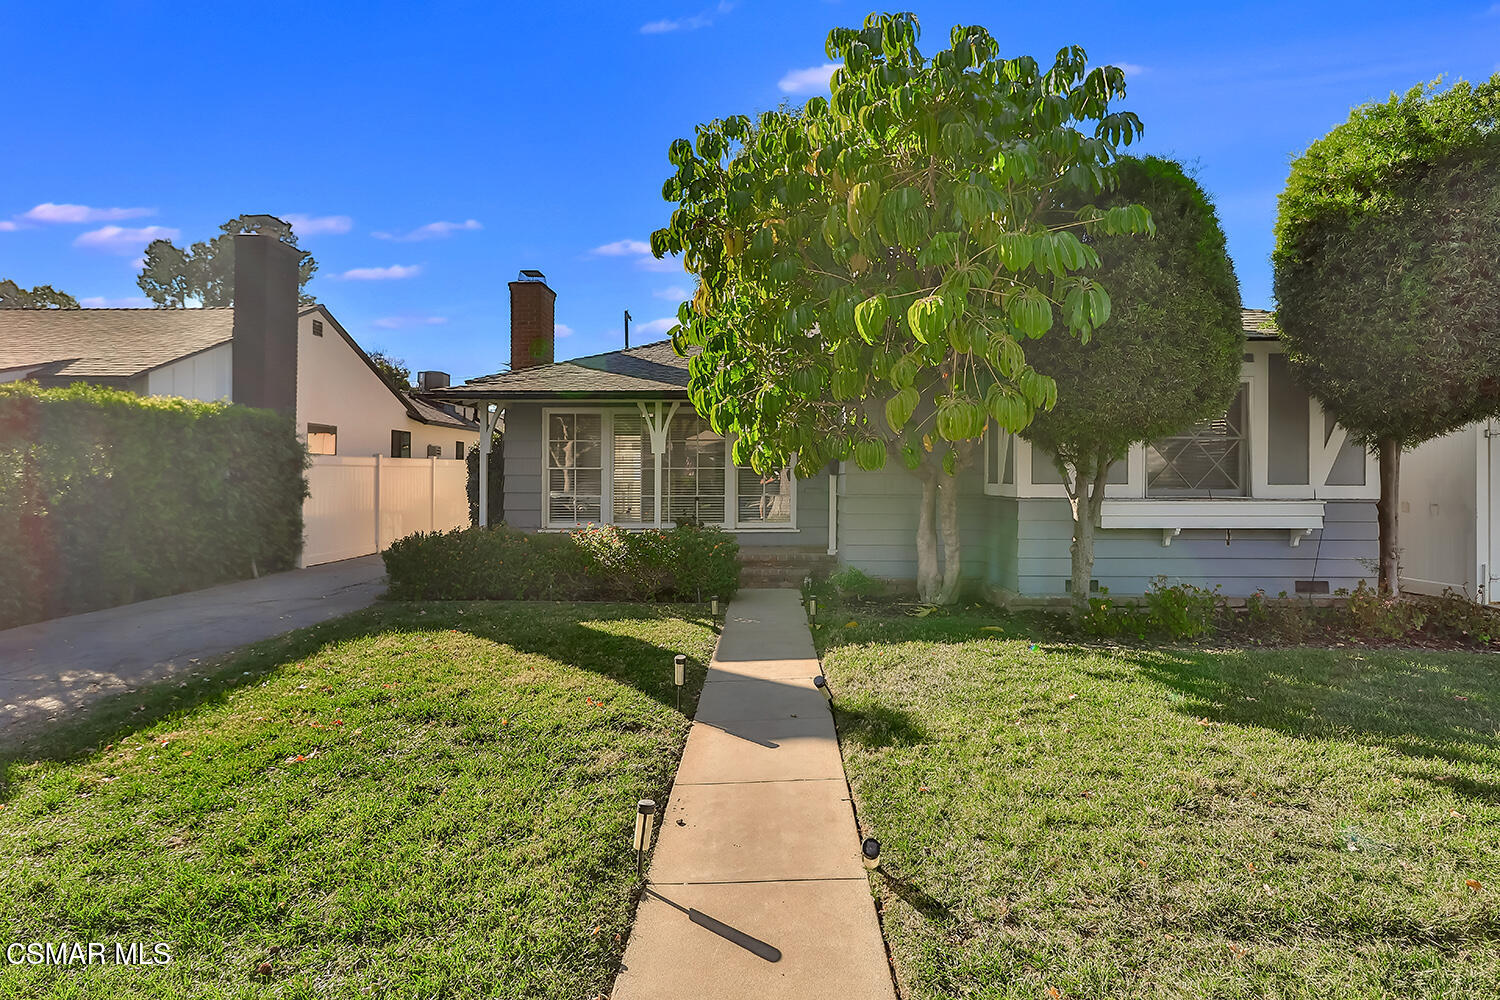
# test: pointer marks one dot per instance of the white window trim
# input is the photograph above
(659, 415)
(1321, 456)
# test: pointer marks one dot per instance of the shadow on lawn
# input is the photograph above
(1427, 707)
(533, 629)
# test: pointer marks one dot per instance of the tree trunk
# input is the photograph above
(1088, 495)
(1385, 512)
(929, 581)
(947, 511)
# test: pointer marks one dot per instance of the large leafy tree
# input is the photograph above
(871, 268)
(1386, 275)
(204, 272)
(1169, 358)
(13, 296)
(395, 371)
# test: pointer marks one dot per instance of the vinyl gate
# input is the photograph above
(358, 506)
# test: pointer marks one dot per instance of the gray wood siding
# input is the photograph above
(523, 466)
(524, 487)
(878, 522)
(1126, 560)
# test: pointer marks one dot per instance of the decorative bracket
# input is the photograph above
(1167, 534)
(1297, 534)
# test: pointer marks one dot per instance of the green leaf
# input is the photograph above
(927, 317)
(1030, 311)
(869, 454)
(900, 407)
(870, 316)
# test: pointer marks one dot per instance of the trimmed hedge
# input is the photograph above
(107, 497)
(685, 563)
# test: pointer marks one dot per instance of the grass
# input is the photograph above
(419, 800)
(1063, 821)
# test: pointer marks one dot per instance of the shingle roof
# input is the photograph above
(1259, 324)
(108, 342)
(651, 370)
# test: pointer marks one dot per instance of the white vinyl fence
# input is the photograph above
(358, 506)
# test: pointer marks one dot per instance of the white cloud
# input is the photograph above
(103, 302)
(405, 322)
(561, 330)
(117, 239)
(318, 225)
(395, 271)
(813, 80)
(702, 19)
(1132, 69)
(431, 231)
(640, 251)
(674, 294)
(657, 325)
(50, 212)
(622, 248)
(6, 226)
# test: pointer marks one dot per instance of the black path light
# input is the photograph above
(821, 683)
(812, 609)
(645, 817)
(871, 851)
(713, 608)
(679, 676)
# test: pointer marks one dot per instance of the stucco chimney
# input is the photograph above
(532, 318)
(264, 349)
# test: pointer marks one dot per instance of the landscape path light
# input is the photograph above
(821, 683)
(645, 817)
(871, 851)
(713, 608)
(812, 608)
(679, 676)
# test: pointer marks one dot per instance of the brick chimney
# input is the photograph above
(264, 349)
(532, 317)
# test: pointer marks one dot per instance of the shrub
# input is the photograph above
(1372, 614)
(853, 582)
(684, 563)
(1182, 611)
(107, 497)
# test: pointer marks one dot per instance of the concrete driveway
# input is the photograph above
(53, 667)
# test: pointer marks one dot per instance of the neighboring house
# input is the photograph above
(1269, 497)
(264, 351)
(1449, 514)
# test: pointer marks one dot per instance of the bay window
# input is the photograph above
(656, 465)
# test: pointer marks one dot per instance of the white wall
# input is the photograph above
(1439, 516)
(336, 387)
(207, 375)
(358, 506)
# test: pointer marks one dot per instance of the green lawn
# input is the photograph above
(424, 800)
(1066, 821)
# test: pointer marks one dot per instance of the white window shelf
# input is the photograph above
(1298, 517)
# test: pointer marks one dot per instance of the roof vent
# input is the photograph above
(528, 274)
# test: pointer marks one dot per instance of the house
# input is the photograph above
(264, 351)
(384, 461)
(1271, 496)
(1449, 514)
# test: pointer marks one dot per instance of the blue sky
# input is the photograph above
(433, 150)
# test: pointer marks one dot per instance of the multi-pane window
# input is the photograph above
(1208, 460)
(693, 474)
(633, 471)
(763, 499)
(575, 466)
(401, 444)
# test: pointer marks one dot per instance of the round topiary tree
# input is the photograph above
(1386, 275)
(1168, 358)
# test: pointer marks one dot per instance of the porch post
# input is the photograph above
(658, 449)
(489, 413)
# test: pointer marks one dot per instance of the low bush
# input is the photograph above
(1373, 614)
(685, 563)
(856, 583)
(1171, 611)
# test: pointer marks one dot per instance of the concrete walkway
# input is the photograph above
(53, 667)
(756, 887)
